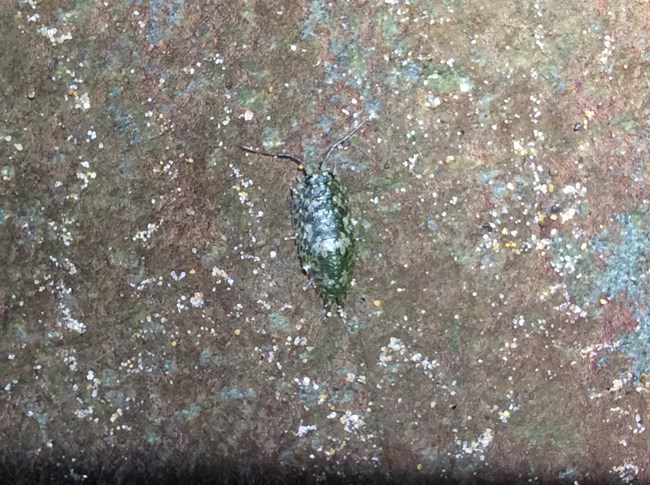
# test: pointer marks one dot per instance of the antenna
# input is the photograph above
(288, 156)
(343, 140)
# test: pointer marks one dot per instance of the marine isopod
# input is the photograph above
(320, 212)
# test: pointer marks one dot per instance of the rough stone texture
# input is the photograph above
(153, 322)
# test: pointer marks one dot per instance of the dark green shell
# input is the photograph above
(324, 234)
(324, 229)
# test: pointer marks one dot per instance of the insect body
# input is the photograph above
(323, 227)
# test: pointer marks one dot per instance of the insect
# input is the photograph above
(324, 233)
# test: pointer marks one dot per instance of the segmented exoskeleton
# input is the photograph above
(323, 227)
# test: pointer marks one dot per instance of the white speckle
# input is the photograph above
(197, 300)
(148, 233)
(84, 413)
(90, 376)
(567, 215)
(395, 344)
(67, 320)
(293, 47)
(177, 277)
(71, 361)
(303, 430)
(222, 274)
(478, 446)
(51, 32)
(351, 421)
(626, 472)
(273, 254)
(18, 147)
(83, 102)
(465, 85)
(569, 189)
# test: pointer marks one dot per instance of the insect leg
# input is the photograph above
(309, 283)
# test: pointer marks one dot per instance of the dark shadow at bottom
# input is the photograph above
(199, 470)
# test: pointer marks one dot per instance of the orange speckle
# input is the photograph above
(377, 303)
